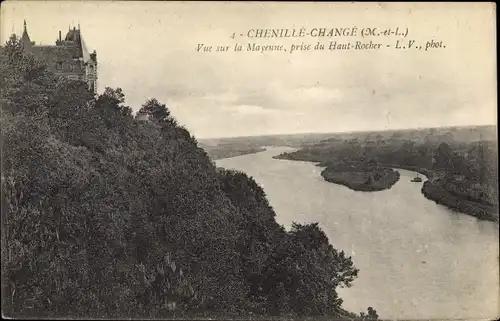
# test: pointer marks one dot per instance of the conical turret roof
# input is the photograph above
(25, 38)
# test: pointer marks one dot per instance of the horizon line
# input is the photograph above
(346, 132)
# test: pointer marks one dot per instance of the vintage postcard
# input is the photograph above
(249, 160)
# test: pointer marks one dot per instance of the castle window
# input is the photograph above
(59, 65)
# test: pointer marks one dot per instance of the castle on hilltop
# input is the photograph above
(68, 58)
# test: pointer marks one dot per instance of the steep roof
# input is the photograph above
(69, 52)
(52, 55)
(85, 53)
(74, 37)
(25, 38)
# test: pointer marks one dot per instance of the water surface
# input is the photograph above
(417, 259)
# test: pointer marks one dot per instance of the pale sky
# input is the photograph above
(148, 49)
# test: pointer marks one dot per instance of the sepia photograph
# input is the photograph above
(246, 160)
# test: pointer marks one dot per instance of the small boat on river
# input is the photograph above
(417, 179)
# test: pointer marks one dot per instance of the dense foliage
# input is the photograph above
(107, 216)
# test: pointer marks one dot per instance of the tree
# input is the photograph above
(69, 108)
(113, 111)
(442, 157)
(459, 165)
(371, 316)
(114, 99)
(23, 80)
(310, 270)
(155, 109)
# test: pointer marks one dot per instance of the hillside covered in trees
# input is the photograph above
(107, 216)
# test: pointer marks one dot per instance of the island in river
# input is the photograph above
(356, 175)
(359, 179)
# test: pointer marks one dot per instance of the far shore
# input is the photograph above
(435, 193)
(221, 153)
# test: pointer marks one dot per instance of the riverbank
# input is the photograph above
(433, 191)
(220, 152)
(426, 172)
(362, 180)
(441, 196)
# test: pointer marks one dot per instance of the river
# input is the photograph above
(417, 259)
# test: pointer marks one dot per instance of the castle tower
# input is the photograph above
(25, 39)
(91, 72)
(75, 40)
(69, 57)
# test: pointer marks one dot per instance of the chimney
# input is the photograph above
(59, 35)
